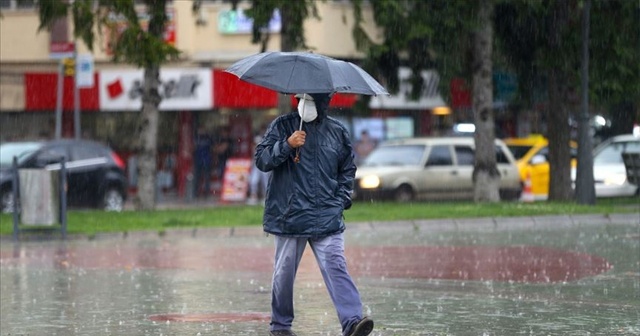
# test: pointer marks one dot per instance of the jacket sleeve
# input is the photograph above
(274, 149)
(346, 172)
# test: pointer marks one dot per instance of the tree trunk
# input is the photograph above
(585, 190)
(559, 134)
(148, 135)
(486, 176)
(558, 128)
(559, 137)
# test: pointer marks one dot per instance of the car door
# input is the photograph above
(439, 173)
(464, 159)
(509, 174)
(539, 171)
(86, 170)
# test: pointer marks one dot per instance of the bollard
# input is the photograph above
(190, 188)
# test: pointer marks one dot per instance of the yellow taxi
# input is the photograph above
(531, 154)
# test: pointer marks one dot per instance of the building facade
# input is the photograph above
(196, 90)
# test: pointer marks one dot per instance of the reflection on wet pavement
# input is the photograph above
(568, 280)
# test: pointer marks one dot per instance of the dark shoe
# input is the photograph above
(282, 333)
(362, 328)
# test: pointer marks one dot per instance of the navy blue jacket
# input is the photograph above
(306, 199)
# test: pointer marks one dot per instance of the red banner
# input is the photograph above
(41, 90)
(231, 92)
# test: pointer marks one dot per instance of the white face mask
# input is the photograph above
(310, 112)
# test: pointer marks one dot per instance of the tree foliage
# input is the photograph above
(615, 51)
(541, 41)
(136, 44)
(455, 39)
(417, 34)
(292, 17)
(292, 14)
(538, 40)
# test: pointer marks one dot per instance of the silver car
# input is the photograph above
(430, 169)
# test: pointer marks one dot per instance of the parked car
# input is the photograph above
(430, 169)
(532, 157)
(95, 173)
(609, 172)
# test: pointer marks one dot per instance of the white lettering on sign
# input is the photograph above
(180, 90)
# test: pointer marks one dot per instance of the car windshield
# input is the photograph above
(21, 150)
(612, 154)
(402, 155)
(519, 151)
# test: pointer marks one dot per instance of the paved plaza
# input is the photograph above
(548, 275)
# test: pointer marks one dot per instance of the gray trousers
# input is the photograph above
(329, 253)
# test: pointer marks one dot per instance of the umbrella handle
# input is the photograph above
(304, 104)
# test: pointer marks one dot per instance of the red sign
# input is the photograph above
(41, 93)
(59, 50)
(338, 100)
(231, 92)
(236, 180)
(61, 47)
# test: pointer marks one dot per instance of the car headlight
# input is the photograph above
(370, 182)
(615, 179)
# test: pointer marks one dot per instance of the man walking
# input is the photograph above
(312, 178)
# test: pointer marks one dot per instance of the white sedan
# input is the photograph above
(609, 173)
(430, 169)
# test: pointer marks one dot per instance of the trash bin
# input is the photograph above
(39, 197)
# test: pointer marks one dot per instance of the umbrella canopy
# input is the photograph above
(305, 72)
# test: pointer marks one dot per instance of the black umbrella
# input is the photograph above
(305, 72)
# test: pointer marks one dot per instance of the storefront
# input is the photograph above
(192, 98)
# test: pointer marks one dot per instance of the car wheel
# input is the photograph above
(113, 200)
(6, 201)
(404, 193)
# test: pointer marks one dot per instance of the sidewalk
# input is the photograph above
(547, 275)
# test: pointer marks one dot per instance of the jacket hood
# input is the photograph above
(322, 101)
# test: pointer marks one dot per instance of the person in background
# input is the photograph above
(202, 163)
(304, 206)
(223, 150)
(364, 146)
(166, 169)
(258, 180)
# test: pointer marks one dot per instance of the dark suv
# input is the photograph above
(95, 174)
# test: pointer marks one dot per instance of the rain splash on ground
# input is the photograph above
(415, 279)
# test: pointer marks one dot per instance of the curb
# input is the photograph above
(436, 225)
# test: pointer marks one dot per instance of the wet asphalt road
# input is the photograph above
(549, 275)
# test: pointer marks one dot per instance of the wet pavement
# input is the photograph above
(548, 275)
